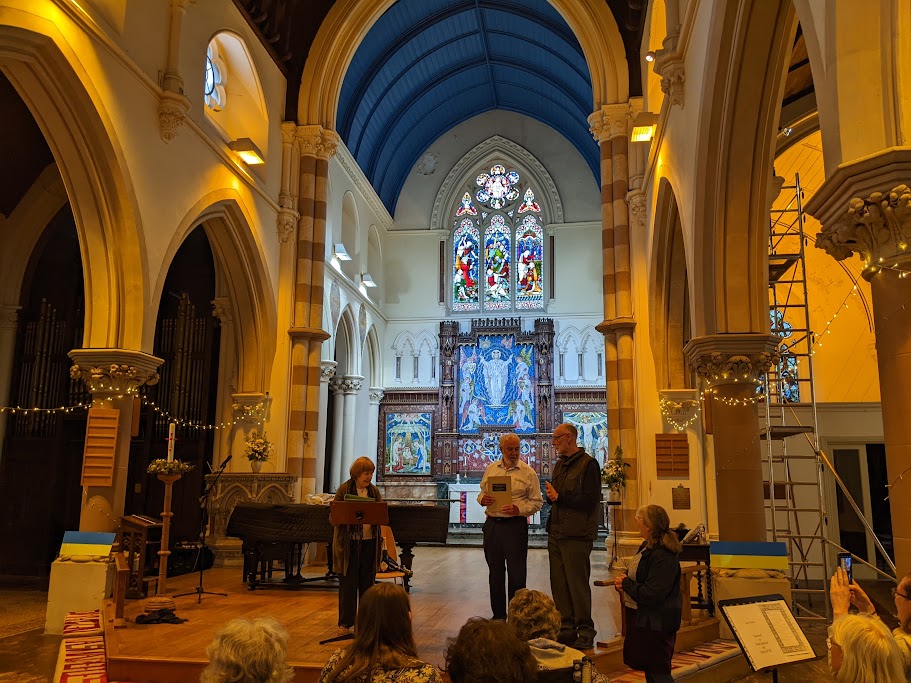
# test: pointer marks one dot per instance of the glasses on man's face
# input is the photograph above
(897, 592)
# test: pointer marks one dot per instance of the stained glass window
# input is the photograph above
(505, 271)
(529, 259)
(786, 370)
(465, 284)
(497, 295)
(216, 75)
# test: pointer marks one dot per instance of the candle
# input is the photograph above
(171, 429)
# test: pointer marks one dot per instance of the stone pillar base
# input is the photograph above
(730, 584)
(76, 587)
(227, 551)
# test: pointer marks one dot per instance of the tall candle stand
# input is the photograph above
(160, 601)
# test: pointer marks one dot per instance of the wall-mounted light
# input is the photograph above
(341, 253)
(644, 126)
(367, 280)
(247, 150)
(650, 56)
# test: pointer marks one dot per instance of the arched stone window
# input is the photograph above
(216, 78)
(497, 245)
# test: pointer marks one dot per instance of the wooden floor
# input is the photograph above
(449, 586)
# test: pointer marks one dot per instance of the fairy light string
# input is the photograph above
(167, 415)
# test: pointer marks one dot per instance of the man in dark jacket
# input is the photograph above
(572, 528)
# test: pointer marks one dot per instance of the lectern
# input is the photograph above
(356, 512)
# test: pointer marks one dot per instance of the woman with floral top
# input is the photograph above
(383, 650)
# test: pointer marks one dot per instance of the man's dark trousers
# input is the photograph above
(506, 552)
(570, 571)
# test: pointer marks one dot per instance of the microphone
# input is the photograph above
(224, 464)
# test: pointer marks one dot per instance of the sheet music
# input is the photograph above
(768, 633)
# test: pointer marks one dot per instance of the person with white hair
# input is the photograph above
(248, 651)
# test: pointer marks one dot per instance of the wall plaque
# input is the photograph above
(681, 497)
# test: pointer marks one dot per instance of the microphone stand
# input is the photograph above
(203, 522)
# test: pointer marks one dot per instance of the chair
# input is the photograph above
(392, 554)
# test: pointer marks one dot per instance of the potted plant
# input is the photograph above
(258, 448)
(613, 474)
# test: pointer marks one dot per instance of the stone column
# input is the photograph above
(224, 414)
(327, 372)
(315, 146)
(9, 321)
(373, 419)
(113, 376)
(173, 105)
(351, 385)
(730, 366)
(338, 426)
(610, 127)
(865, 208)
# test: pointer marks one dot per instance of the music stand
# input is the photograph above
(203, 522)
(355, 513)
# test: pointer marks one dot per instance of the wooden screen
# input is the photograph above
(100, 447)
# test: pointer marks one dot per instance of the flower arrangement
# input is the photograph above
(163, 466)
(259, 448)
(613, 474)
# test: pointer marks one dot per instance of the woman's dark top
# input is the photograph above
(656, 590)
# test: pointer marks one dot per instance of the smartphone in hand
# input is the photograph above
(844, 561)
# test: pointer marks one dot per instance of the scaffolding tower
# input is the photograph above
(794, 491)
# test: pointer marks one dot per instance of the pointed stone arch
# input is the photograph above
(46, 72)
(348, 21)
(346, 334)
(738, 120)
(670, 299)
(241, 277)
(372, 351)
(500, 150)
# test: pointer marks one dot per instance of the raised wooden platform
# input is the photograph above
(449, 586)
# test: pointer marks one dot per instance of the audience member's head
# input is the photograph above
(489, 651)
(248, 651)
(533, 614)
(382, 634)
(862, 650)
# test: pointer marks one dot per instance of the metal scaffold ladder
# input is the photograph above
(794, 491)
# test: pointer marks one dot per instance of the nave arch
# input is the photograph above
(47, 74)
(670, 298)
(241, 277)
(349, 21)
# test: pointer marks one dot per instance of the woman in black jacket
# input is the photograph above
(651, 597)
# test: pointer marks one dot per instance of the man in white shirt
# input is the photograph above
(506, 527)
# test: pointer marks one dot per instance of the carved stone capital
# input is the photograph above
(611, 121)
(376, 394)
(9, 317)
(289, 132)
(636, 201)
(286, 224)
(615, 325)
(221, 309)
(877, 226)
(317, 141)
(443, 234)
(732, 358)
(670, 67)
(346, 384)
(114, 371)
(251, 408)
(172, 109)
(327, 370)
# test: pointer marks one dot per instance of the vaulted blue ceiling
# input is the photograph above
(428, 65)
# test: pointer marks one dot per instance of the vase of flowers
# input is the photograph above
(258, 448)
(613, 474)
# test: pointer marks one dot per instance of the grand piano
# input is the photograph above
(273, 532)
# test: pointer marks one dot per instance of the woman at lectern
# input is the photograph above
(651, 597)
(356, 549)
